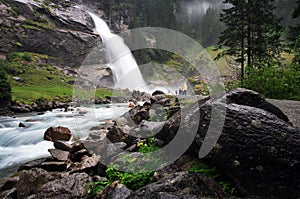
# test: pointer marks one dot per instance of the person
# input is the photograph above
(185, 89)
(175, 92)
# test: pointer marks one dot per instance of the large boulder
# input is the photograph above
(181, 185)
(59, 154)
(114, 191)
(72, 186)
(57, 133)
(159, 97)
(31, 181)
(258, 149)
(251, 98)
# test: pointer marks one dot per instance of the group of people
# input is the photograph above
(182, 90)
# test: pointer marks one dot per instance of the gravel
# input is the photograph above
(290, 108)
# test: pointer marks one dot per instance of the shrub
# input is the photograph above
(274, 82)
(5, 90)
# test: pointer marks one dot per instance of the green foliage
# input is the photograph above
(19, 44)
(231, 85)
(5, 90)
(95, 187)
(19, 56)
(202, 168)
(147, 146)
(296, 60)
(132, 181)
(214, 174)
(37, 25)
(252, 34)
(37, 81)
(274, 82)
(296, 12)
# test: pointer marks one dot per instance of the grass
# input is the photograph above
(38, 80)
(225, 64)
(30, 94)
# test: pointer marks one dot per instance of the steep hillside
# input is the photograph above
(62, 31)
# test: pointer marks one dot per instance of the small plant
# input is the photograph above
(202, 168)
(147, 146)
(95, 187)
(132, 181)
(214, 174)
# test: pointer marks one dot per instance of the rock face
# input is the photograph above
(73, 186)
(62, 32)
(257, 148)
(250, 98)
(57, 133)
(181, 185)
(114, 191)
(32, 181)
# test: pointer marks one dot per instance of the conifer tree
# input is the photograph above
(252, 32)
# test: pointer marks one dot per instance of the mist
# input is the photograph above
(194, 9)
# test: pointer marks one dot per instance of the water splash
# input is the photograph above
(125, 69)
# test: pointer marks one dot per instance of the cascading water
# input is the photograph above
(125, 69)
(18, 145)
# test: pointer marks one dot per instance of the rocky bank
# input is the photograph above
(257, 152)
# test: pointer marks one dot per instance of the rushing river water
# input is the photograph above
(19, 145)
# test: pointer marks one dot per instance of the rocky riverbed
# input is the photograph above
(256, 152)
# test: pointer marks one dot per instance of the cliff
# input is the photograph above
(63, 31)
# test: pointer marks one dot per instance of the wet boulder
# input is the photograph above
(57, 133)
(114, 191)
(257, 148)
(181, 185)
(72, 186)
(159, 97)
(31, 181)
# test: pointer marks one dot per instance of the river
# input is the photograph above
(19, 145)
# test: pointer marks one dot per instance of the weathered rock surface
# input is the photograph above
(181, 185)
(250, 98)
(257, 149)
(59, 154)
(85, 164)
(72, 186)
(31, 182)
(57, 133)
(114, 191)
(64, 33)
(62, 145)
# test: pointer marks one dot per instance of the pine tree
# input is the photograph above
(252, 32)
(296, 12)
(296, 44)
(234, 36)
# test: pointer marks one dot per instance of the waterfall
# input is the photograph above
(124, 67)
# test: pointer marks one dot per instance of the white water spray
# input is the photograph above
(125, 69)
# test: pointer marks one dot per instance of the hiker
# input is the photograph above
(185, 89)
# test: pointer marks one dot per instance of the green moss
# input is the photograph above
(37, 25)
(19, 44)
(14, 11)
(30, 27)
